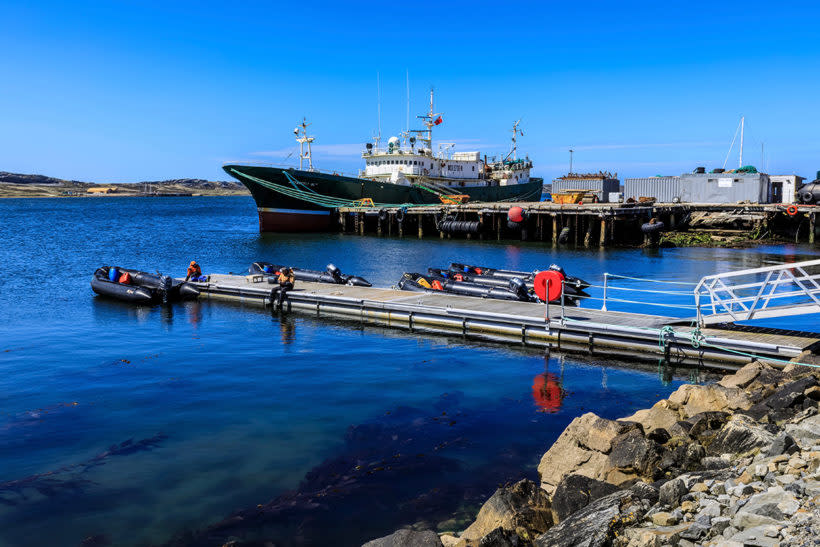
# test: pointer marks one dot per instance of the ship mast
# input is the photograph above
(514, 149)
(302, 137)
(431, 119)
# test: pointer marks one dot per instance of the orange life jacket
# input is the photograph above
(194, 271)
(125, 278)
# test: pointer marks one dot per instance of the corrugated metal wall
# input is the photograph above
(724, 188)
(663, 189)
(601, 187)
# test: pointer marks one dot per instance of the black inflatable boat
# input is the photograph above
(143, 288)
(515, 289)
(573, 286)
(331, 275)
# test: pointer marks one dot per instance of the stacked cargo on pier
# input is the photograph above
(601, 183)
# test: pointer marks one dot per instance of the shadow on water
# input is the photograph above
(69, 480)
(409, 466)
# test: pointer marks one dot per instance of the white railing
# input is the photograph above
(771, 291)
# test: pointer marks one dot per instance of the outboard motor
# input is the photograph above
(557, 268)
(519, 288)
(334, 272)
(164, 289)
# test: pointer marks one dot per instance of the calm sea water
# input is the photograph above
(147, 425)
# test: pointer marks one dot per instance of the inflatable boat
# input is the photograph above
(143, 288)
(515, 290)
(331, 275)
(479, 274)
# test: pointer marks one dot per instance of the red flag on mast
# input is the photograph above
(438, 120)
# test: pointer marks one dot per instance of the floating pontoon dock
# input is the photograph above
(608, 333)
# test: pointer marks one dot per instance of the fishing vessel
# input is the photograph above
(405, 173)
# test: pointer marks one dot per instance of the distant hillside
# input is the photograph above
(40, 180)
(24, 185)
(43, 180)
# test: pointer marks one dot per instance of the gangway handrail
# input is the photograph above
(743, 300)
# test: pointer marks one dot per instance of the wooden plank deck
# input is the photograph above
(578, 329)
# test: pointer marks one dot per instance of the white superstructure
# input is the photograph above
(411, 159)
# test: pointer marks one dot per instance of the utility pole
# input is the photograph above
(570, 160)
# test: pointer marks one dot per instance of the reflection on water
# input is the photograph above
(308, 429)
(547, 390)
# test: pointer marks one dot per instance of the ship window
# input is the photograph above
(473, 167)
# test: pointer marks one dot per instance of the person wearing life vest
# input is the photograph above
(194, 271)
(286, 280)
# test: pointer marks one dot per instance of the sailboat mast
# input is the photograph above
(741, 141)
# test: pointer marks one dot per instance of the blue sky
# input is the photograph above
(121, 91)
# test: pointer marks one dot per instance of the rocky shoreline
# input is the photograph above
(731, 464)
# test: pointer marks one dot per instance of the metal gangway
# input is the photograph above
(773, 291)
(783, 290)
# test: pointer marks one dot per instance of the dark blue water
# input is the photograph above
(141, 425)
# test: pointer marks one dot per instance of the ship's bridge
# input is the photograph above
(396, 163)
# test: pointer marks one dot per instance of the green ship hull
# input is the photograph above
(298, 201)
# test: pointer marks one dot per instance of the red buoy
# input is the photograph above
(555, 285)
(515, 214)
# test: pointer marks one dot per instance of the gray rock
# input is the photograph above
(717, 489)
(771, 503)
(522, 508)
(710, 509)
(719, 524)
(500, 538)
(744, 519)
(596, 524)
(695, 532)
(633, 452)
(575, 492)
(714, 462)
(671, 491)
(740, 435)
(782, 444)
(755, 537)
(805, 432)
(407, 538)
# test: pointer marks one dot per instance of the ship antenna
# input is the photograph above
(379, 109)
(408, 101)
(302, 138)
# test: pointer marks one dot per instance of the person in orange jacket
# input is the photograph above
(194, 271)
(286, 280)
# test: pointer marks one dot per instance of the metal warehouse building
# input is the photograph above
(702, 187)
